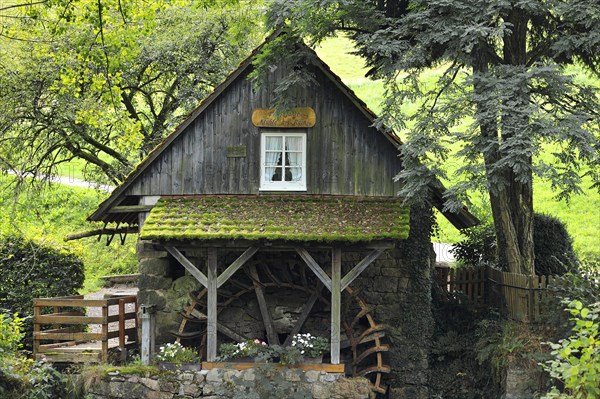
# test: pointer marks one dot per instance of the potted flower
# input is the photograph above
(250, 350)
(310, 346)
(177, 357)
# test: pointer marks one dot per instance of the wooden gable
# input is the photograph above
(345, 155)
(216, 150)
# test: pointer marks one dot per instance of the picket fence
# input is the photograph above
(517, 296)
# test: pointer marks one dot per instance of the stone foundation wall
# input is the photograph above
(226, 383)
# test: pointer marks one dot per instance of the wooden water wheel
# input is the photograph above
(273, 298)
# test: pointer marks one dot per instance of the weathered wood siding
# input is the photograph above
(345, 156)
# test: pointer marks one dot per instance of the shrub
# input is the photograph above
(554, 253)
(30, 270)
(553, 246)
(576, 359)
(478, 248)
(10, 334)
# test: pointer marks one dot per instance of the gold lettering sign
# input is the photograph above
(296, 117)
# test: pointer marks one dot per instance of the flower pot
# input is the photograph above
(313, 360)
(179, 366)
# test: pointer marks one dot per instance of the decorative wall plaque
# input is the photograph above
(296, 117)
(236, 151)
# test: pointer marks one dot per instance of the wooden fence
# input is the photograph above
(517, 296)
(68, 334)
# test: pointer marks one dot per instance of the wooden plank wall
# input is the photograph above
(517, 296)
(345, 155)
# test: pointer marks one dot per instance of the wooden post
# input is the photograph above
(336, 304)
(211, 323)
(37, 311)
(104, 353)
(122, 324)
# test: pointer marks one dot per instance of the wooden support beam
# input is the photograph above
(130, 208)
(314, 266)
(336, 303)
(304, 315)
(360, 267)
(99, 232)
(239, 262)
(272, 337)
(211, 322)
(189, 266)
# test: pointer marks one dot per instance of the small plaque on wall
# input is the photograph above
(296, 117)
(236, 151)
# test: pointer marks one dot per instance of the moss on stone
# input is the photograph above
(290, 218)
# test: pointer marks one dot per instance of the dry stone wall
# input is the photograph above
(231, 384)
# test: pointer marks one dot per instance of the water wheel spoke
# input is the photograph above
(374, 369)
(370, 351)
(372, 331)
(363, 312)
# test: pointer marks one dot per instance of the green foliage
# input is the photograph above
(47, 216)
(105, 81)
(504, 95)
(554, 253)
(45, 382)
(10, 334)
(553, 247)
(576, 360)
(501, 342)
(249, 348)
(31, 270)
(478, 247)
(176, 353)
(455, 372)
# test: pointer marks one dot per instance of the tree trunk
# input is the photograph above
(511, 198)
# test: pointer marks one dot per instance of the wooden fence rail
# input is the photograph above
(517, 296)
(68, 334)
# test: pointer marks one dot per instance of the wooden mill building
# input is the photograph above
(276, 224)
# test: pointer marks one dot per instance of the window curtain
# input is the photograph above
(294, 158)
(273, 147)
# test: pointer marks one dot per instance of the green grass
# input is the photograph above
(581, 215)
(49, 215)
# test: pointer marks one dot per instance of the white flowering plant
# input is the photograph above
(177, 353)
(310, 345)
(248, 348)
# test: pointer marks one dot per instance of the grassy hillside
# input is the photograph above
(49, 215)
(581, 214)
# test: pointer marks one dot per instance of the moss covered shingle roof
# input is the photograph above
(297, 218)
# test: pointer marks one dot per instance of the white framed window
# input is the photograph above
(283, 161)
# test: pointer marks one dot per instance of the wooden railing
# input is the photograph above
(517, 296)
(67, 334)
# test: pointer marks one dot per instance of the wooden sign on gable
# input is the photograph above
(297, 117)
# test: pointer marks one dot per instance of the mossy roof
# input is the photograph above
(288, 218)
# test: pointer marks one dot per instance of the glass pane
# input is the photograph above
(294, 174)
(293, 159)
(275, 174)
(293, 143)
(274, 143)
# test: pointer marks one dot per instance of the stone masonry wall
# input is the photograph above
(227, 383)
(398, 284)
